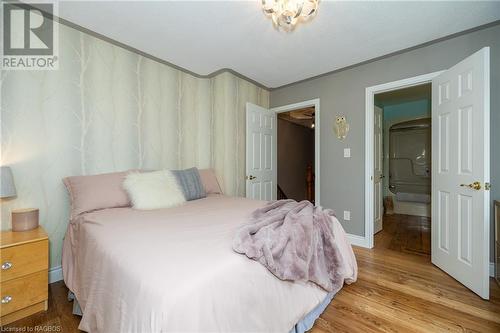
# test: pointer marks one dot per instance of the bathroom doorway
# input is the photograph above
(402, 166)
(460, 188)
(373, 203)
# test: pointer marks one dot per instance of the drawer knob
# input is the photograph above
(6, 265)
(6, 299)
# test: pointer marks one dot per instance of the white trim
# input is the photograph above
(369, 119)
(357, 240)
(55, 274)
(301, 105)
(492, 269)
(487, 174)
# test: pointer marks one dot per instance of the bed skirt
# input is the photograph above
(76, 307)
(302, 326)
(306, 323)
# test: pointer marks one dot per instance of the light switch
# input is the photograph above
(347, 152)
(347, 215)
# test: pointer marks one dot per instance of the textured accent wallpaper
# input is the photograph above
(108, 109)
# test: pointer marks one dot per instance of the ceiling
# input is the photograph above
(207, 36)
(415, 93)
(303, 117)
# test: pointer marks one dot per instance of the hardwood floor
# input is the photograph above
(398, 290)
(406, 234)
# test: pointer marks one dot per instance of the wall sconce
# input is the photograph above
(341, 127)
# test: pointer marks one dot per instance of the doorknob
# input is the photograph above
(250, 177)
(6, 299)
(475, 186)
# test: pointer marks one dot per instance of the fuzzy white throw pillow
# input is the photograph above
(153, 190)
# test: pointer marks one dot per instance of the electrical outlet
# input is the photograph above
(347, 215)
(347, 152)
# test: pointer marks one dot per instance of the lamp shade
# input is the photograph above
(7, 187)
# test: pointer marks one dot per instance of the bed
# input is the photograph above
(173, 270)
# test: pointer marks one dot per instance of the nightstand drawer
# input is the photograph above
(23, 259)
(22, 292)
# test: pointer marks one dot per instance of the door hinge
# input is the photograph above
(487, 186)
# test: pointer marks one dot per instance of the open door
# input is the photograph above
(460, 172)
(261, 162)
(378, 172)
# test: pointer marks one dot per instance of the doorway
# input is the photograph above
(307, 113)
(262, 149)
(374, 167)
(460, 214)
(402, 166)
(295, 149)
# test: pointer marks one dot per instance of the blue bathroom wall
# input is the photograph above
(397, 113)
(407, 111)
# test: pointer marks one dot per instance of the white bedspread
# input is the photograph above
(174, 270)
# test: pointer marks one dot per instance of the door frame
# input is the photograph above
(381, 176)
(297, 106)
(370, 93)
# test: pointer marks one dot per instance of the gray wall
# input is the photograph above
(295, 151)
(342, 180)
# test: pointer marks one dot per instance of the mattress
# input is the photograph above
(174, 270)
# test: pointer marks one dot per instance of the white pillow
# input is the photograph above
(153, 190)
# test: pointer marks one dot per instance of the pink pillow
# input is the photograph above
(89, 193)
(209, 181)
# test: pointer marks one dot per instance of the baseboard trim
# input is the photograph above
(492, 269)
(357, 240)
(55, 274)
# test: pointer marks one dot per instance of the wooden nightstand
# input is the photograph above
(24, 260)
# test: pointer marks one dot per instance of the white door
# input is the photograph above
(378, 172)
(460, 169)
(261, 172)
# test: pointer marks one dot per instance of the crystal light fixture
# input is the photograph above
(287, 13)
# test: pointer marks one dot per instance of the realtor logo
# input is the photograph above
(29, 36)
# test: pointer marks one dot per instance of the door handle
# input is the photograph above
(6, 299)
(6, 265)
(475, 186)
(250, 177)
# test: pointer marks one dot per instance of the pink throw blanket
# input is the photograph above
(295, 241)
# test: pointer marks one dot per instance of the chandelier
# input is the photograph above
(287, 13)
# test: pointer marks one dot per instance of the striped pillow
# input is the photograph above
(189, 181)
